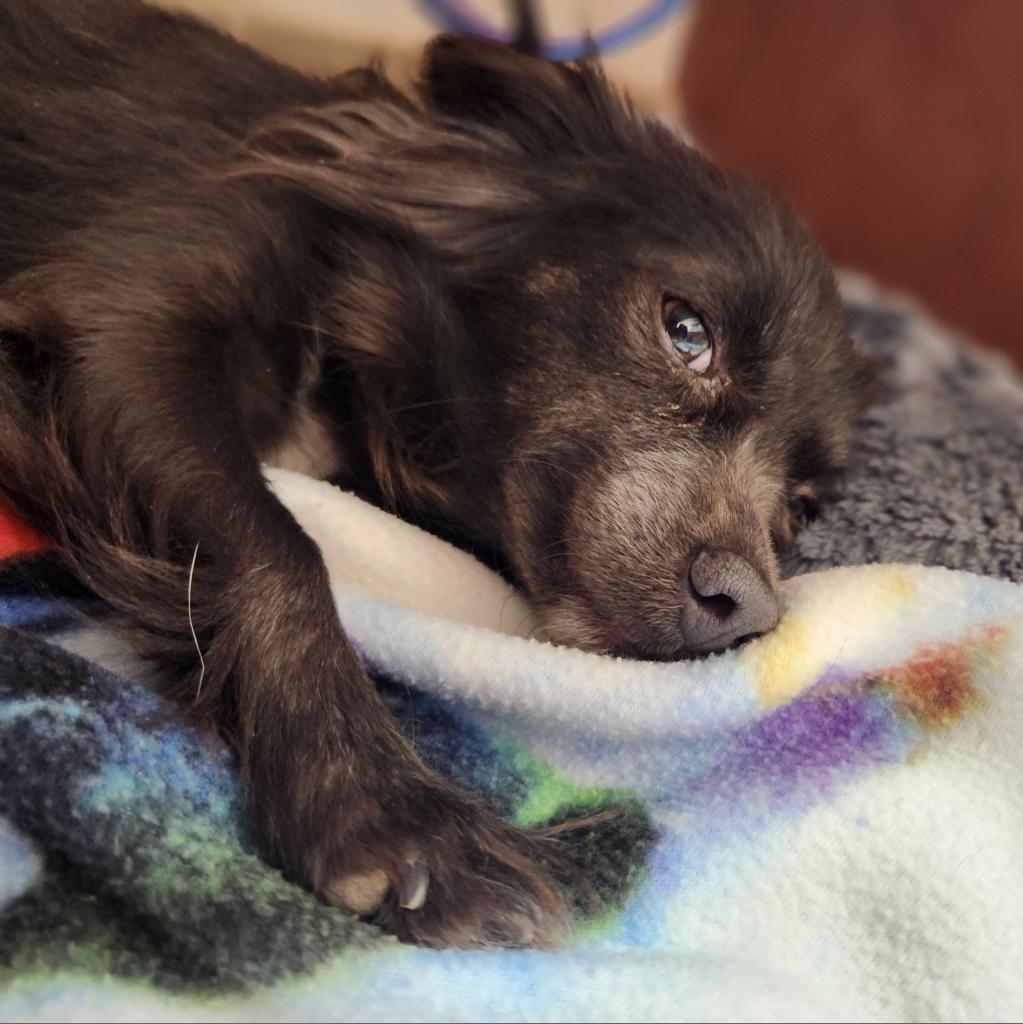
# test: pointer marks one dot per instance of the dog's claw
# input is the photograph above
(413, 884)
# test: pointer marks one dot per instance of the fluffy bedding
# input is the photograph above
(825, 824)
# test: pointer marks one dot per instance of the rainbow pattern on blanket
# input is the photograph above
(825, 822)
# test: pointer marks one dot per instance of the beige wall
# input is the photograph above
(324, 36)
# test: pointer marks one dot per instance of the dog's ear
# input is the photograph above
(542, 105)
(454, 173)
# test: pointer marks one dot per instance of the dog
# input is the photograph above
(506, 306)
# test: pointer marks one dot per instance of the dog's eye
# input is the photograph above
(803, 510)
(688, 336)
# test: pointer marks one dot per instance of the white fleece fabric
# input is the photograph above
(840, 803)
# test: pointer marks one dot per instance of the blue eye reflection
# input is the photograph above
(688, 336)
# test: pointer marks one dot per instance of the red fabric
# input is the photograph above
(18, 539)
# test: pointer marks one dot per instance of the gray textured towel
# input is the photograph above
(938, 467)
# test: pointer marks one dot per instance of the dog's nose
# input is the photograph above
(728, 600)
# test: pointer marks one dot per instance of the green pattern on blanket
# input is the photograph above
(152, 872)
(549, 794)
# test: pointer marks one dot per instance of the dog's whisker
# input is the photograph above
(191, 623)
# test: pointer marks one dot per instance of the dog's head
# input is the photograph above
(639, 359)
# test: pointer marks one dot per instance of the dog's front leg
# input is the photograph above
(343, 801)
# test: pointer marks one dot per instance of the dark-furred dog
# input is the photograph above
(509, 308)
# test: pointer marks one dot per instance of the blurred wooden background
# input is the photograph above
(895, 127)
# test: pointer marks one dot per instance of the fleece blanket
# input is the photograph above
(823, 825)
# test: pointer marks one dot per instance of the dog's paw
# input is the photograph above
(437, 869)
